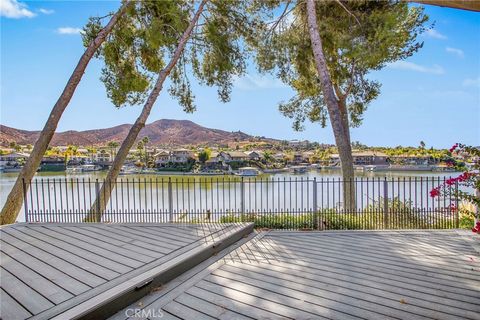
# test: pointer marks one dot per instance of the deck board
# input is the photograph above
(71, 270)
(119, 243)
(37, 282)
(31, 300)
(11, 309)
(334, 275)
(57, 276)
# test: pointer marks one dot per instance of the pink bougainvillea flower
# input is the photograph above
(476, 229)
(434, 193)
(451, 181)
(455, 146)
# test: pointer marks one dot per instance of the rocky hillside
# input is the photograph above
(165, 131)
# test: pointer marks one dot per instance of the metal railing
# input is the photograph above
(375, 203)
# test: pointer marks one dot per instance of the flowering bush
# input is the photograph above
(469, 179)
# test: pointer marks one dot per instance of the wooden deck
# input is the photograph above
(69, 271)
(328, 275)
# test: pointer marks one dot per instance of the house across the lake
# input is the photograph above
(363, 158)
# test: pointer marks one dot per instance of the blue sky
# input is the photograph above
(433, 96)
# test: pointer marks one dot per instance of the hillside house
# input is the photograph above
(181, 155)
(162, 157)
(12, 159)
(415, 160)
(254, 155)
(102, 156)
(237, 156)
(363, 158)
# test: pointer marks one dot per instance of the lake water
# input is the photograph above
(198, 194)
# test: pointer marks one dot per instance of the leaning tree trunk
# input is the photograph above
(15, 197)
(340, 130)
(104, 194)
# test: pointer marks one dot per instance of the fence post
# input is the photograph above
(315, 214)
(97, 193)
(25, 202)
(242, 196)
(457, 209)
(385, 204)
(170, 200)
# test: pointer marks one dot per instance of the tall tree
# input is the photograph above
(113, 145)
(14, 200)
(210, 50)
(325, 50)
(145, 141)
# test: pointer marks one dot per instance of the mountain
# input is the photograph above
(160, 132)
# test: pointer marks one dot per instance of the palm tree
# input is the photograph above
(113, 145)
(145, 141)
(91, 151)
(14, 200)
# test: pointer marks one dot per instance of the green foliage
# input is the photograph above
(332, 219)
(365, 38)
(273, 221)
(145, 39)
(204, 155)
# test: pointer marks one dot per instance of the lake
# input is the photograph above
(279, 192)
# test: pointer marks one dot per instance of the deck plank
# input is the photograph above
(119, 241)
(69, 270)
(70, 258)
(31, 299)
(74, 271)
(285, 307)
(357, 262)
(36, 281)
(167, 242)
(110, 247)
(347, 297)
(335, 275)
(104, 259)
(58, 277)
(397, 258)
(462, 294)
(249, 310)
(11, 309)
(212, 309)
(185, 312)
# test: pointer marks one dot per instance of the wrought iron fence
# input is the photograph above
(374, 203)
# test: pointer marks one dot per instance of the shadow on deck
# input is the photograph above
(327, 275)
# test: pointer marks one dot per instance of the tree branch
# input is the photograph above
(348, 11)
(281, 16)
(352, 78)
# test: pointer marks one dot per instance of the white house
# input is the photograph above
(180, 155)
(11, 159)
(162, 157)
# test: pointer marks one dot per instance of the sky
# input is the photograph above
(433, 96)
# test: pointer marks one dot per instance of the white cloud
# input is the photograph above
(404, 65)
(46, 11)
(432, 33)
(459, 53)
(14, 9)
(69, 30)
(249, 82)
(471, 82)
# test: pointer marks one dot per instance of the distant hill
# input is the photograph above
(160, 132)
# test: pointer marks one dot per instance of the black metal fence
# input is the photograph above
(375, 203)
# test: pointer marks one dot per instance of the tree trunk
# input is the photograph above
(103, 196)
(14, 201)
(340, 131)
